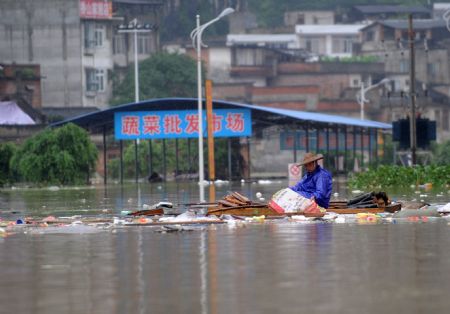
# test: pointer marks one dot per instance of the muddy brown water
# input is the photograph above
(277, 267)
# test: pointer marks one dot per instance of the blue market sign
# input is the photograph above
(180, 124)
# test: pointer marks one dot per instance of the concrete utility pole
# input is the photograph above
(412, 91)
(196, 36)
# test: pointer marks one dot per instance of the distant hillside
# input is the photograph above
(180, 15)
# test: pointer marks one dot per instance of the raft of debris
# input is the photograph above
(191, 220)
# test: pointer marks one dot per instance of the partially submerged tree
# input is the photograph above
(7, 151)
(56, 156)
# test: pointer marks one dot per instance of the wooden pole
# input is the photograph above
(307, 137)
(164, 160)
(336, 133)
(362, 148)
(295, 142)
(328, 145)
(136, 162)
(376, 146)
(345, 148)
(317, 139)
(229, 158)
(121, 161)
(105, 172)
(210, 122)
(189, 155)
(369, 131)
(177, 170)
(150, 158)
(354, 146)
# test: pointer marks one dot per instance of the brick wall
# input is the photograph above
(329, 86)
(23, 79)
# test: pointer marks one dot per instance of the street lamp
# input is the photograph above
(361, 96)
(446, 17)
(135, 27)
(196, 36)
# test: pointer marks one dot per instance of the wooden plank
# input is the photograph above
(226, 203)
(241, 197)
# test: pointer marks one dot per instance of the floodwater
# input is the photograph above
(272, 267)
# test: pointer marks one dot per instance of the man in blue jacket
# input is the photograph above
(316, 184)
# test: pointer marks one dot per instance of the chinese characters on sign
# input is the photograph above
(96, 9)
(180, 124)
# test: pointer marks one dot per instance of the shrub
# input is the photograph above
(56, 156)
(7, 151)
(399, 176)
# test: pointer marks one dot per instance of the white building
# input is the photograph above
(334, 40)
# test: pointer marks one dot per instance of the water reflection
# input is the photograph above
(276, 267)
(115, 198)
(272, 267)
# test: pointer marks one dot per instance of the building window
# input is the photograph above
(432, 69)
(370, 36)
(248, 57)
(355, 82)
(119, 46)
(95, 80)
(143, 44)
(342, 45)
(404, 66)
(348, 45)
(312, 45)
(94, 35)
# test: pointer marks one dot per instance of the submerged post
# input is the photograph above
(104, 157)
(229, 158)
(121, 160)
(345, 148)
(412, 92)
(210, 127)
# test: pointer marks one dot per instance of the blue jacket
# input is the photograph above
(318, 184)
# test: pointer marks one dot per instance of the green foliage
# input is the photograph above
(25, 73)
(270, 12)
(161, 75)
(352, 59)
(442, 154)
(399, 176)
(56, 156)
(182, 20)
(7, 150)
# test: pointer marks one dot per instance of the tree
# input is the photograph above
(7, 151)
(62, 156)
(180, 19)
(161, 75)
(441, 154)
